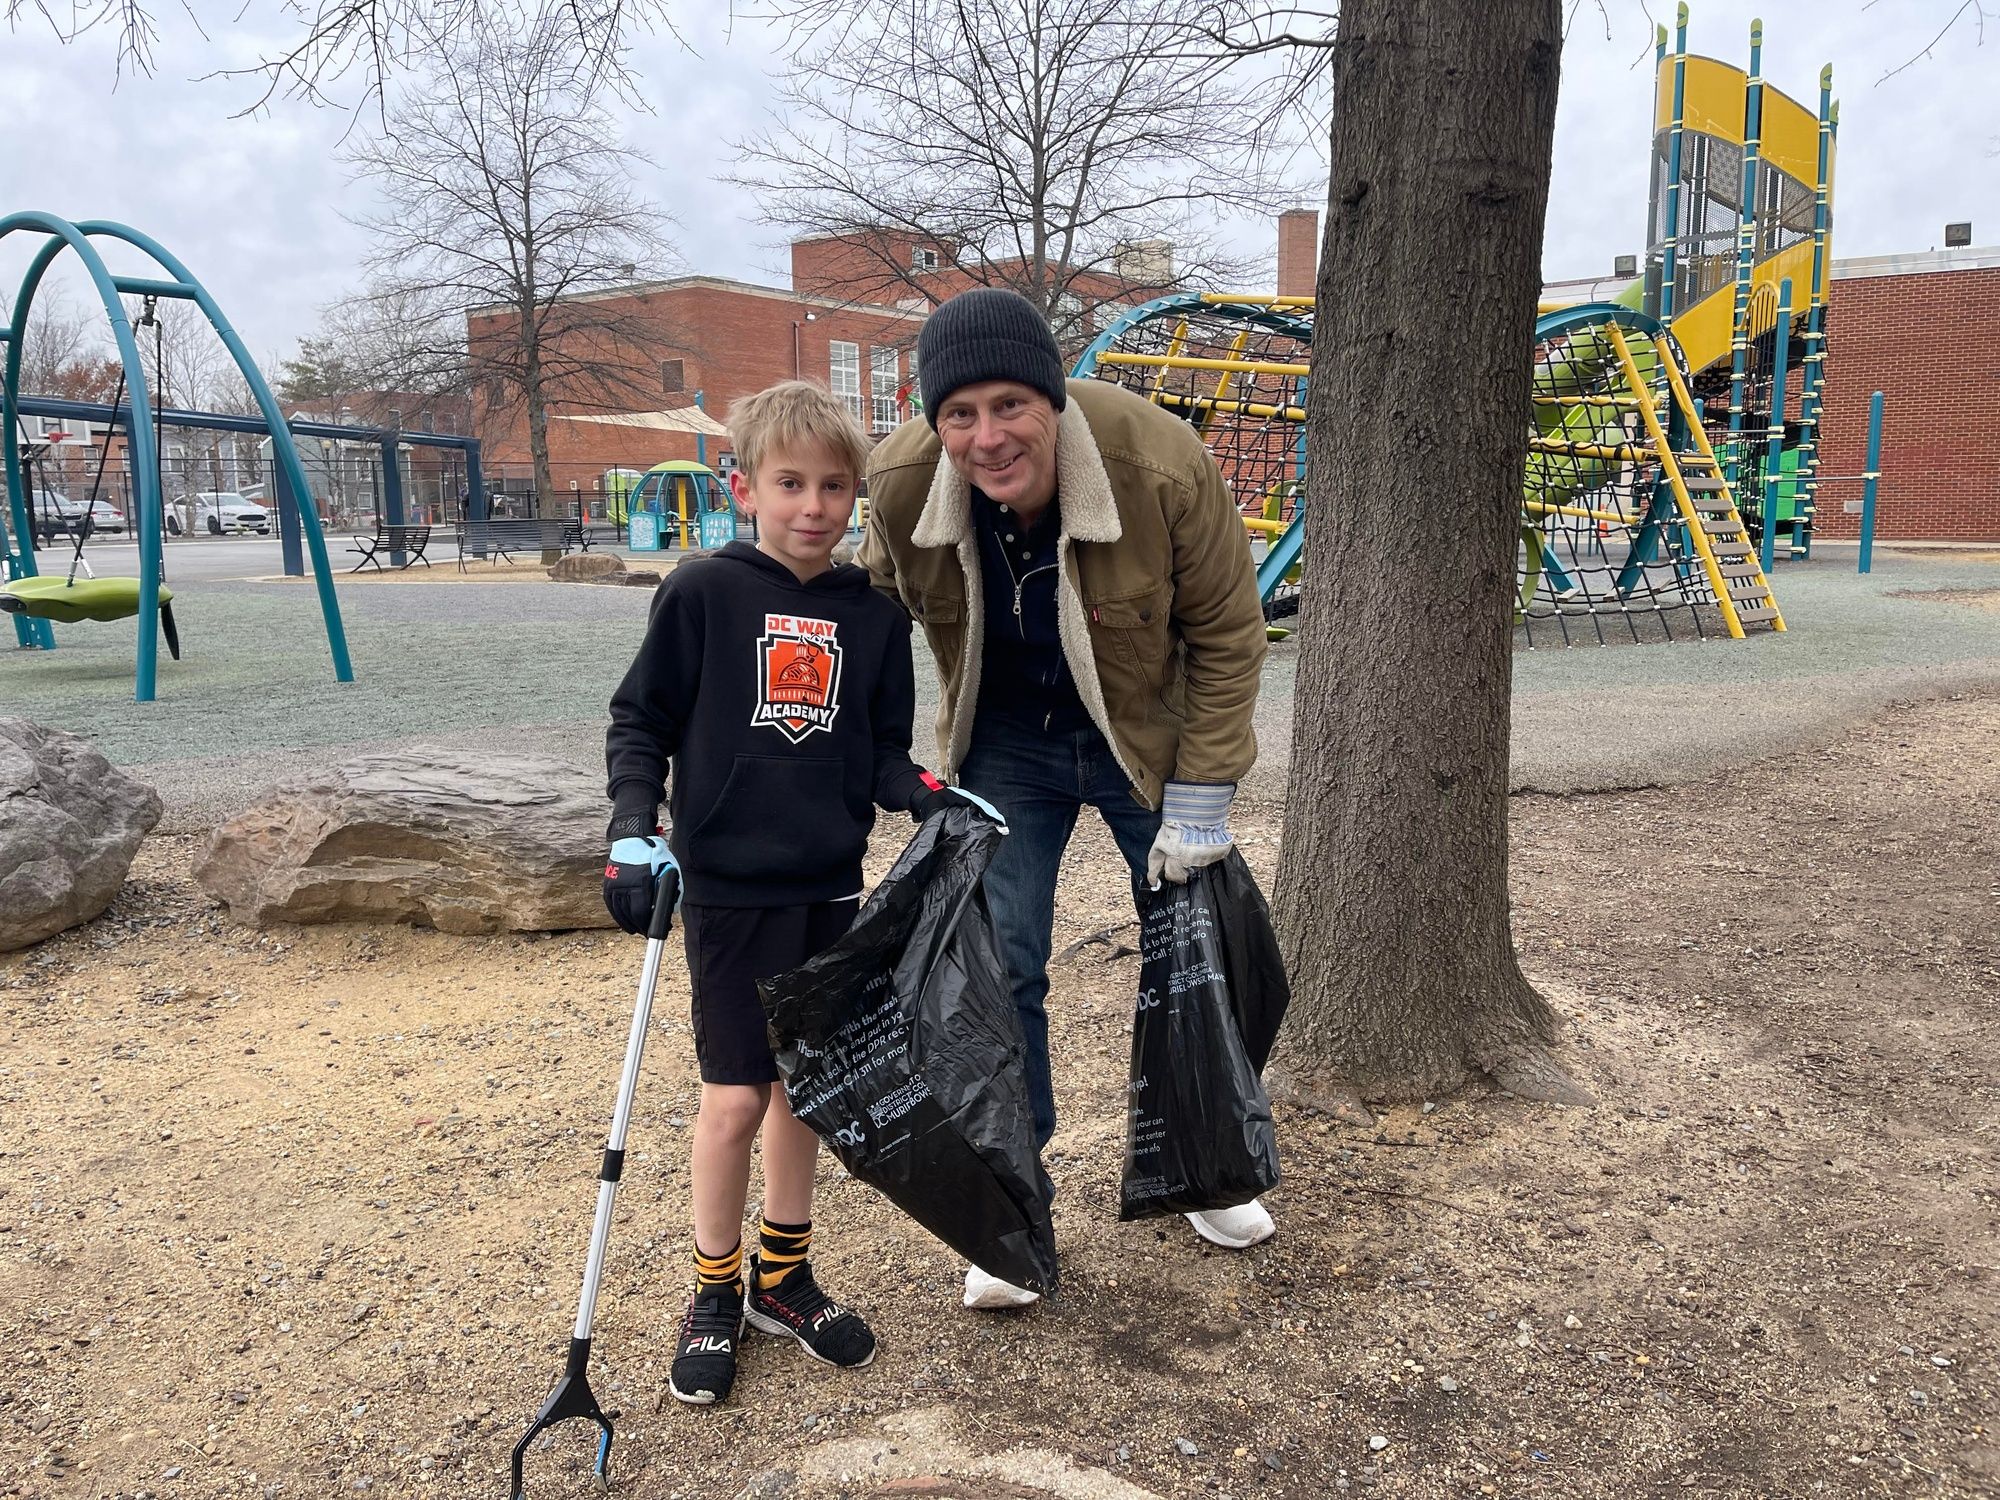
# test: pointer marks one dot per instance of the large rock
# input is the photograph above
(588, 567)
(70, 823)
(457, 840)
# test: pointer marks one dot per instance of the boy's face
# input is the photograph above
(802, 499)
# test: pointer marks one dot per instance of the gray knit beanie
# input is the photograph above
(987, 333)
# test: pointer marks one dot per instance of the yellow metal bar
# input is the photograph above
(1239, 408)
(1541, 508)
(1269, 528)
(1253, 299)
(1624, 454)
(1549, 307)
(1221, 384)
(1174, 348)
(1584, 401)
(1186, 362)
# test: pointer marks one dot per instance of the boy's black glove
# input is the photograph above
(639, 856)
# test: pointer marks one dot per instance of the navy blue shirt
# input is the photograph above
(1023, 675)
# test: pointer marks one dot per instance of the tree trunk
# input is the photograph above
(1392, 887)
(538, 442)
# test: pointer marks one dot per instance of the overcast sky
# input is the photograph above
(254, 204)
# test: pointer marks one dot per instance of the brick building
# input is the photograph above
(1925, 331)
(849, 320)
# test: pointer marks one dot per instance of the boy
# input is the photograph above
(780, 686)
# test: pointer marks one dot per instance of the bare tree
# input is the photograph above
(509, 212)
(373, 42)
(1047, 145)
(1392, 887)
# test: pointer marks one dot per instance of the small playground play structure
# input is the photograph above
(1673, 434)
(34, 602)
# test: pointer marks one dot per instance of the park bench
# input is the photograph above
(409, 539)
(503, 536)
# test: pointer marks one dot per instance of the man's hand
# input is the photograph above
(632, 874)
(1194, 830)
(936, 798)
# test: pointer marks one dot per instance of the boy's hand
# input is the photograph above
(936, 799)
(631, 879)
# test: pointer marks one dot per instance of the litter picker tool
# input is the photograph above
(572, 1395)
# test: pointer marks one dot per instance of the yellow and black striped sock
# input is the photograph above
(780, 1249)
(718, 1271)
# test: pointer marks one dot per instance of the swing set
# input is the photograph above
(35, 602)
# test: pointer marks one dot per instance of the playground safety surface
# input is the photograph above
(301, 1213)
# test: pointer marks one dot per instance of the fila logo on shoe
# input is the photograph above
(827, 1315)
(710, 1343)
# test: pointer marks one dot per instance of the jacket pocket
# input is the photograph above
(779, 818)
(1137, 625)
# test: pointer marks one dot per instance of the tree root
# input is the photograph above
(1331, 1098)
(1533, 1074)
(1103, 935)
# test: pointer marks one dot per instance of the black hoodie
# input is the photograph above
(785, 708)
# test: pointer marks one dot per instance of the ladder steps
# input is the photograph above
(1702, 484)
(1747, 592)
(1738, 569)
(1728, 529)
(1728, 550)
(1755, 616)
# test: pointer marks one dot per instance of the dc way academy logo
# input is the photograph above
(798, 675)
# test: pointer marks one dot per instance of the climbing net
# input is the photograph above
(1235, 368)
(1604, 555)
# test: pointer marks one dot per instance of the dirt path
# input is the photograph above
(301, 1213)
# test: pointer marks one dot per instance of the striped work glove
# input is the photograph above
(1194, 830)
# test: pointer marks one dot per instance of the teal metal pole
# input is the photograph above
(393, 513)
(1871, 472)
(700, 438)
(1670, 256)
(1774, 454)
(1746, 252)
(1813, 375)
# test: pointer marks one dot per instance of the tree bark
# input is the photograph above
(1392, 886)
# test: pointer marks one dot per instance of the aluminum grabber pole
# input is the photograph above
(572, 1395)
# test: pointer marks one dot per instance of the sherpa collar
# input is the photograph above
(1089, 512)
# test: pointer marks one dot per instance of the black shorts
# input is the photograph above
(729, 949)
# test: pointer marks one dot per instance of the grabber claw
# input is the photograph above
(572, 1397)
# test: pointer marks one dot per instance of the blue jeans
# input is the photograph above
(1040, 782)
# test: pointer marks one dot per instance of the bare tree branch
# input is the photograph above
(509, 211)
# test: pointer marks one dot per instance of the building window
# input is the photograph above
(882, 365)
(496, 393)
(923, 260)
(671, 376)
(844, 373)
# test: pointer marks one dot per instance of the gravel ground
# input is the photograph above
(453, 662)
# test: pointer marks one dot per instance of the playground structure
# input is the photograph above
(683, 492)
(1643, 504)
(33, 603)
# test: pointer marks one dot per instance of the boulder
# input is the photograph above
(464, 841)
(70, 823)
(588, 567)
(641, 578)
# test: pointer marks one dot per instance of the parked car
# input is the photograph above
(221, 511)
(58, 515)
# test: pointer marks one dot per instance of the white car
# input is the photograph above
(221, 511)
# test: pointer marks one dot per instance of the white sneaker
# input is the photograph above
(990, 1292)
(1234, 1228)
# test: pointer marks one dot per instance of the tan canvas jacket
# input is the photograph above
(1157, 600)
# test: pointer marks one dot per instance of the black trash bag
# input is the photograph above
(1252, 965)
(900, 1047)
(1210, 986)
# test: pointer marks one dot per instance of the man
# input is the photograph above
(1084, 580)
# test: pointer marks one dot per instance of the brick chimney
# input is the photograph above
(1298, 252)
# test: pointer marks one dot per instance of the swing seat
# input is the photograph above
(70, 603)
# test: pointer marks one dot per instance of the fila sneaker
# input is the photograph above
(796, 1308)
(705, 1354)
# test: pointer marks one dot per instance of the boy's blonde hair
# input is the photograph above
(790, 415)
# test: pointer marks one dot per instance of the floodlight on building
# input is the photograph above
(1956, 235)
(1625, 265)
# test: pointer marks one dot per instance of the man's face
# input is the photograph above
(1001, 435)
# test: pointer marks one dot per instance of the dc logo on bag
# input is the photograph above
(850, 1135)
(1149, 999)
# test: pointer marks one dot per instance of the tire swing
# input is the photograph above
(70, 600)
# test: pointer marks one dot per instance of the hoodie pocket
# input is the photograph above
(778, 818)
